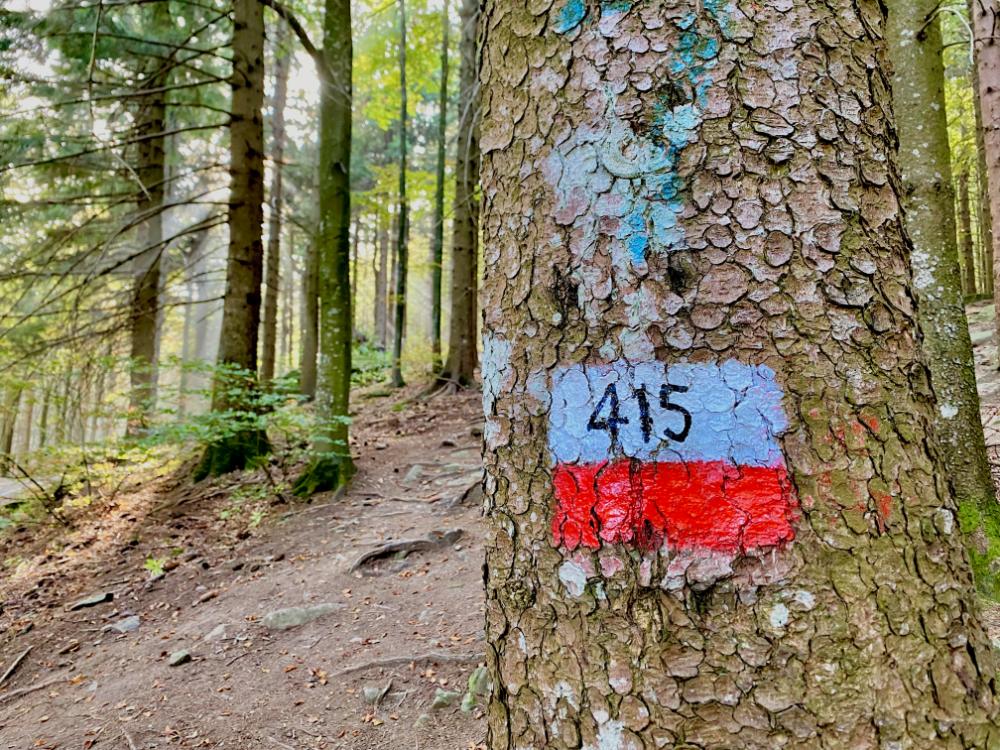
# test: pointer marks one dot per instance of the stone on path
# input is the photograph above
(284, 619)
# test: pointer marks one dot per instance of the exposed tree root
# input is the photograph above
(406, 546)
(403, 660)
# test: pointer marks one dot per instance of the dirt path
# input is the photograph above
(386, 641)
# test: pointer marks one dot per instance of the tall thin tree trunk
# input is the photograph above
(965, 235)
(332, 464)
(355, 240)
(43, 418)
(390, 317)
(925, 168)
(310, 321)
(151, 172)
(715, 517)
(437, 237)
(245, 262)
(288, 311)
(272, 279)
(403, 220)
(8, 420)
(463, 354)
(379, 263)
(986, 27)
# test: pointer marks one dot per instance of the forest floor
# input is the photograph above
(383, 661)
(384, 657)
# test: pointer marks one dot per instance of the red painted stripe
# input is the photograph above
(710, 505)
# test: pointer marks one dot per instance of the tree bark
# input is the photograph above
(437, 236)
(966, 241)
(151, 172)
(332, 465)
(355, 240)
(310, 321)
(403, 218)
(241, 305)
(463, 353)
(381, 270)
(986, 27)
(11, 408)
(715, 515)
(925, 169)
(272, 282)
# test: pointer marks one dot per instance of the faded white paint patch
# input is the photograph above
(779, 615)
(609, 736)
(805, 598)
(573, 577)
(949, 411)
(947, 520)
(495, 368)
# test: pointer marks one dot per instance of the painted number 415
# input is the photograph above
(608, 416)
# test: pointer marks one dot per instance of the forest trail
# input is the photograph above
(386, 642)
(410, 626)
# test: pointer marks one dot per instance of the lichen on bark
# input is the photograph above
(691, 184)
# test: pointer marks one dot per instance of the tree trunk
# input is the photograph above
(925, 169)
(463, 354)
(985, 218)
(272, 281)
(390, 320)
(332, 465)
(355, 239)
(965, 236)
(986, 27)
(403, 220)
(245, 260)
(714, 511)
(437, 237)
(11, 408)
(381, 260)
(310, 321)
(43, 418)
(288, 310)
(151, 172)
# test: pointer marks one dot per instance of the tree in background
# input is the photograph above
(716, 519)
(245, 267)
(437, 238)
(914, 34)
(272, 280)
(463, 354)
(985, 19)
(331, 464)
(402, 216)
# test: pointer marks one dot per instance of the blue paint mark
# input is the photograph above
(570, 16)
(609, 7)
(735, 410)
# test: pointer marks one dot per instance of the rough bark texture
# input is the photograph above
(925, 169)
(151, 171)
(699, 198)
(966, 241)
(331, 465)
(403, 223)
(463, 351)
(245, 260)
(272, 281)
(986, 33)
(437, 238)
